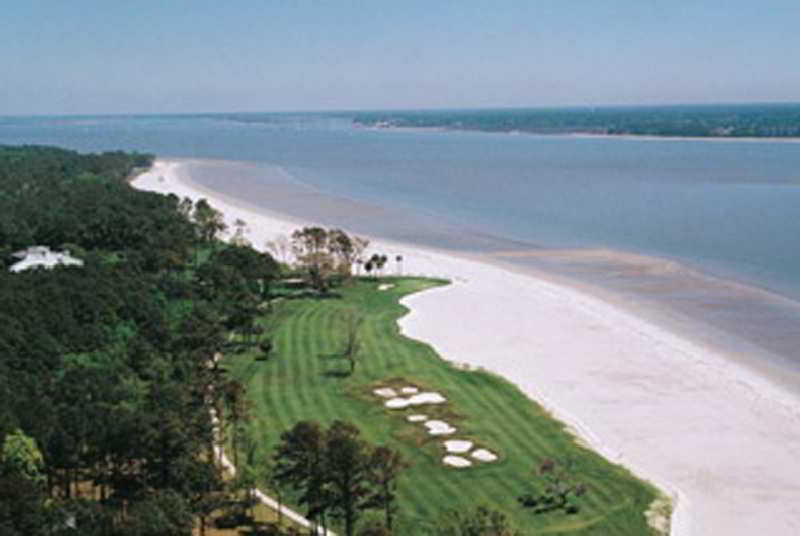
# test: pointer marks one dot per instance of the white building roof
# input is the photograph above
(42, 256)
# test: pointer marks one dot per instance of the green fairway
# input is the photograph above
(300, 381)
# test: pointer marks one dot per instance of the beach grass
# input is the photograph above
(301, 381)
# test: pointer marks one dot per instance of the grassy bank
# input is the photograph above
(301, 381)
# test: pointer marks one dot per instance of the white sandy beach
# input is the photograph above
(723, 442)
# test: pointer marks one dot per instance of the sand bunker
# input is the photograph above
(427, 398)
(409, 390)
(416, 400)
(484, 455)
(397, 403)
(456, 461)
(439, 427)
(385, 392)
(458, 446)
(417, 417)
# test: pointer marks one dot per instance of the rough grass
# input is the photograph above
(300, 381)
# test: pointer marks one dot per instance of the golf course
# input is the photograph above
(310, 375)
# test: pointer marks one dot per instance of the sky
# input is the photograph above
(183, 56)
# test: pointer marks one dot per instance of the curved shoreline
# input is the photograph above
(629, 388)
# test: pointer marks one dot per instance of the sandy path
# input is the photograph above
(721, 440)
(265, 499)
(227, 465)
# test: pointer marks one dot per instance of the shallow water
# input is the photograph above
(700, 235)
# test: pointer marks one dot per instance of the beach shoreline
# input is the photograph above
(637, 394)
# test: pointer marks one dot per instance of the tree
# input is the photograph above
(249, 473)
(346, 249)
(376, 262)
(21, 456)
(480, 522)
(352, 320)
(23, 508)
(300, 465)
(208, 493)
(280, 247)
(163, 513)
(310, 248)
(209, 220)
(257, 269)
(359, 246)
(347, 461)
(276, 485)
(238, 238)
(236, 401)
(341, 247)
(374, 528)
(384, 467)
(336, 471)
(560, 490)
(185, 207)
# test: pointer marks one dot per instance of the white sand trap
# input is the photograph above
(427, 398)
(397, 403)
(439, 427)
(417, 417)
(385, 392)
(458, 446)
(385, 286)
(456, 461)
(484, 455)
(409, 390)
(415, 400)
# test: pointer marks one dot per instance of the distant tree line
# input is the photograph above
(744, 120)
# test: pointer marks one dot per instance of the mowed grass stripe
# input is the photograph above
(502, 421)
(296, 383)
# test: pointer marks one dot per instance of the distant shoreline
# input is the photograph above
(588, 135)
(755, 121)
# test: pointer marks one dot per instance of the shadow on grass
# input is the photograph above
(308, 294)
(336, 372)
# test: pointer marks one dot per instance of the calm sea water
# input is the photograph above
(714, 226)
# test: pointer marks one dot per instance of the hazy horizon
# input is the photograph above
(620, 106)
(203, 57)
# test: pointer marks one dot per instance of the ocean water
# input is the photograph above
(701, 235)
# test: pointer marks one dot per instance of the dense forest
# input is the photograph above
(726, 121)
(106, 369)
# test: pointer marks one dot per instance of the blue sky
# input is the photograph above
(164, 56)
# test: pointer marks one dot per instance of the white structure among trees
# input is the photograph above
(42, 256)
